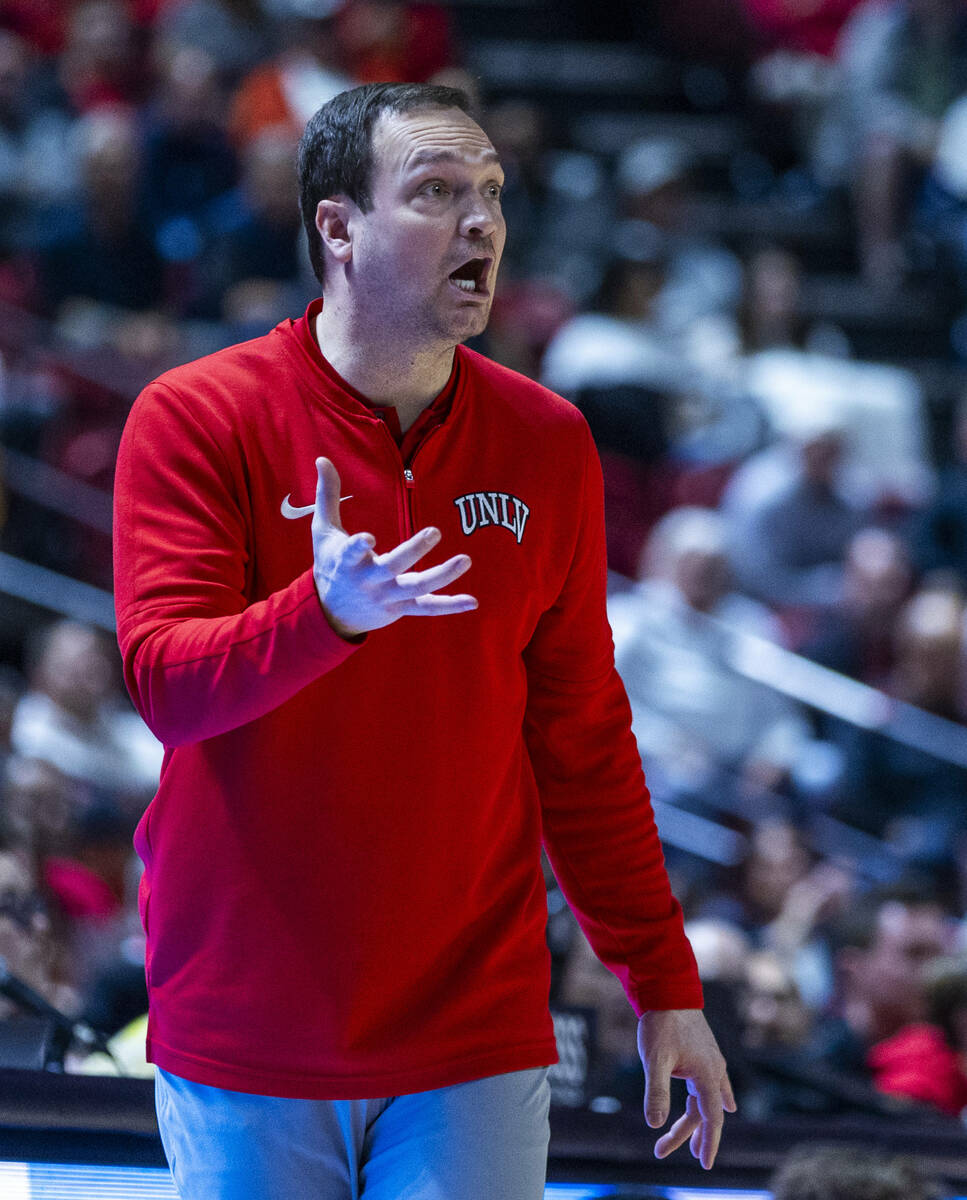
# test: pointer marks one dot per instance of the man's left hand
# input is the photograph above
(679, 1044)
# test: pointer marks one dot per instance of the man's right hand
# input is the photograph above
(360, 590)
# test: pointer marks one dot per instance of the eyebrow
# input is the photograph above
(427, 158)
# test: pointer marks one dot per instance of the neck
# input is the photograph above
(406, 378)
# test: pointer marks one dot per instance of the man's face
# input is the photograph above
(891, 971)
(435, 210)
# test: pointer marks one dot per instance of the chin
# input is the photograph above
(474, 323)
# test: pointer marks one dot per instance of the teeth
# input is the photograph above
(466, 285)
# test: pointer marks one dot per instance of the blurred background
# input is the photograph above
(738, 243)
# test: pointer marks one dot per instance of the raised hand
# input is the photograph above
(360, 590)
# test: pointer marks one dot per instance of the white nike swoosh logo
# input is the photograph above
(293, 512)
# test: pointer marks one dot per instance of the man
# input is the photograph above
(343, 893)
(881, 946)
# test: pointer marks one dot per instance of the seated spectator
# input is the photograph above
(616, 365)
(37, 805)
(29, 939)
(79, 850)
(838, 1172)
(793, 79)
(73, 716)
(857, 637)
(903, 65)
(789, 525)
(38, 172)
(304, 75)
(771, 313)
(938, 535)
(925, 1061)
(618, 341)
(257, 230)
(188, 162)
(554, 202)
(654, 183)
(110, 256)
(391, 41)
(235, 34)
(897, 790)
(101, 62)
(882, 945)
(699, 723)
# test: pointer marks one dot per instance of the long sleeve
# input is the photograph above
(200, 658)
(598, 827)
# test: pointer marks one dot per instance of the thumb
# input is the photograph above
(327, 492)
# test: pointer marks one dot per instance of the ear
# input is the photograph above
(332, 221)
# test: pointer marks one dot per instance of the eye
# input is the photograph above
(494, 191)
(435, 188)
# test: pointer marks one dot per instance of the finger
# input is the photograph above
(407, 553)
(418, 583)
(436, 606)
(681, 1131)
(358, 547)
(327, 492)
(709, 1101)
(657, 1084)
(728, 1096)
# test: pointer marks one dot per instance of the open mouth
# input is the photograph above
(471, 277)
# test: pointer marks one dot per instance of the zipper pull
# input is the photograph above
(408, 477)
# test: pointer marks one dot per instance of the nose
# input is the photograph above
(480, 219)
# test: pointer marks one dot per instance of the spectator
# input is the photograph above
(304, 75)
(793, 80)
(903, 64)
(37, 804)
(653, 178)
(839, 1172)
(771, 314)
(110, 257)
(38, 172)
(881, 946)
(702, 728)
(555, 203)
(390, 41)
(857, 637)
(620, 341)
(188, 162)
(616, 366)
(235, 34)
(789, 524)
(898, 790)
(29, 941)
(102, 63)
(257, 231)
(925, 1061)
(73, 717)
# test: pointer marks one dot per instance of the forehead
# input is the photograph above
(404, 142)
(901, 924)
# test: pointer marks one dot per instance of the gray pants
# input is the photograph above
(483, 1140)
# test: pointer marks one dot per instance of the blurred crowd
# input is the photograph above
(787, 521)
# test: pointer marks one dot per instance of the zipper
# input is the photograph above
(409, 479)
(409, 483)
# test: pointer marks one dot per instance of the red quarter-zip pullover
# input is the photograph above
(342, 894)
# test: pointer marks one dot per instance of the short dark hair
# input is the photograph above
(858, 927)
(335, 152)
(847, 1172)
